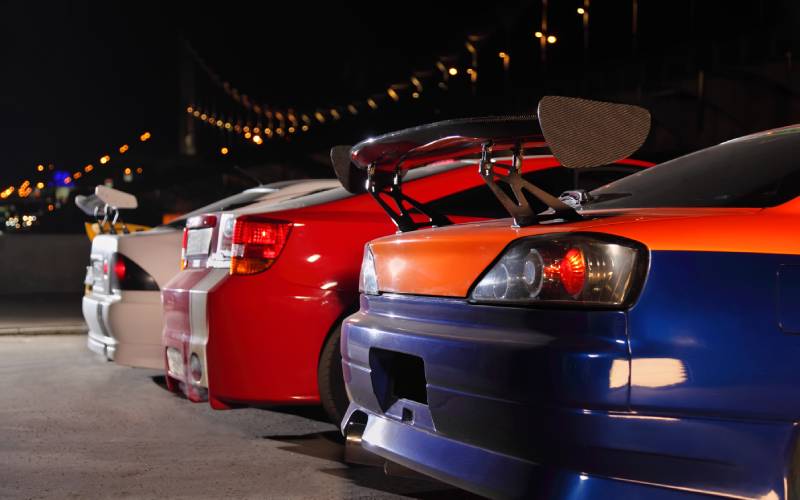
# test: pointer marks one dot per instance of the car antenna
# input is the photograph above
(244, 173)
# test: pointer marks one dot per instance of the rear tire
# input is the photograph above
(330, 380)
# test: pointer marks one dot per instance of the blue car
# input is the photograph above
(641, 340)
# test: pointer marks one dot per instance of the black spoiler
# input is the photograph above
(580, 133)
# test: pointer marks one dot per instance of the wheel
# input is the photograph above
(332, 393)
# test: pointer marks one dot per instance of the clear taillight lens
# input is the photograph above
(368, 279)
(571, 269)
(257, 242)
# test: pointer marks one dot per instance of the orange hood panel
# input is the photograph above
(446, 261)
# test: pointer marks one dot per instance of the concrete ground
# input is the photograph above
(75, 426)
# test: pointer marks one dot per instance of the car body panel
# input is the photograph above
(125, 325)
(417, 269)
(689, 388)
(259, 352)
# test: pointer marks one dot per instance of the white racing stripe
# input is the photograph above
(198, 318)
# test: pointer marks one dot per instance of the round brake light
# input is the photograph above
(573, 271)
(119, 269)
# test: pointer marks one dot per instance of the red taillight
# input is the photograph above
(119, 269)
(256, 244)
(105, 267)
(572, 271)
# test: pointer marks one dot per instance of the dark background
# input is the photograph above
(82, 78)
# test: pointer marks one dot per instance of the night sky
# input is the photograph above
(81, 78)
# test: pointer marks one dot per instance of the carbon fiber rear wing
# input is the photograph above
(578, 132)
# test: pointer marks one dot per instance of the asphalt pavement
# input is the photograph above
(75, 426)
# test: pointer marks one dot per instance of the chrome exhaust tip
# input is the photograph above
(354, 453)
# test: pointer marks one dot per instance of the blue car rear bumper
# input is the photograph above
(518, 402)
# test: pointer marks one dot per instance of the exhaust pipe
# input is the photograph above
(353, 452)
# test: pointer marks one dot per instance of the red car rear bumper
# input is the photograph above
(266, 335)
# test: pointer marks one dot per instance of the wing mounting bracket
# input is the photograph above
(380, 187)
(518, 207)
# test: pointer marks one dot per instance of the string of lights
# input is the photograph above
(270, 122)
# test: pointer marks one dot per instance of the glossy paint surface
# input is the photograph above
(692, 391)
(266, 331)
(465, 251)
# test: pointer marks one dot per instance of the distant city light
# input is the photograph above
(258, 140)
(538, 34)
(123, 149)
(88, 168)
(551, 39)
(223, 151)
(372, 104)
(581, 11)
(393, 94)
(127, 171)
(40, 168)
(139, 170)
(415, 95)
(105, 159)
(453, 71)
(320, 117)
(40, 185)
(145, 137)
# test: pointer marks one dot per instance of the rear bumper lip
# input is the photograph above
(475, 469)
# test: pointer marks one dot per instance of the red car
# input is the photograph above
(254, 318)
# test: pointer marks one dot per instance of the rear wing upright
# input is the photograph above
(578, 132)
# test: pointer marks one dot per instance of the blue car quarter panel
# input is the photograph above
(489, 398)
(693, 391)
(710, 345)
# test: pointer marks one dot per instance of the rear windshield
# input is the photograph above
(758, 172)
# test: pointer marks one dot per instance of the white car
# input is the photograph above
(122, 302)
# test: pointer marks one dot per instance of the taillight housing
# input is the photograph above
(184, 260)
(128, 275)
(257, 243)
(570, 269)
(368, 278)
